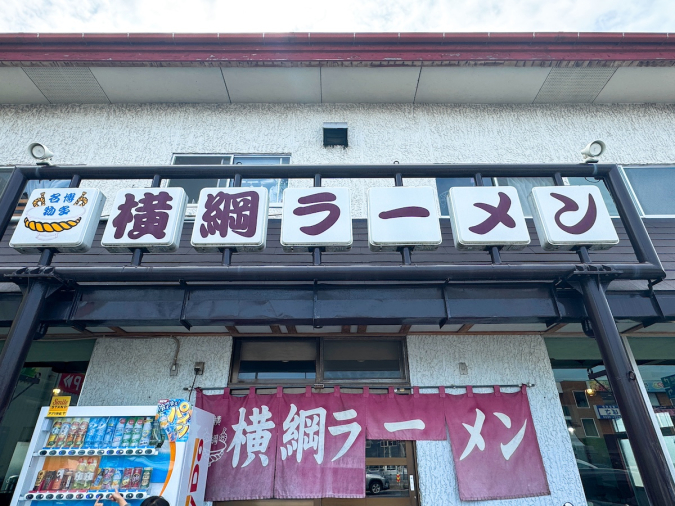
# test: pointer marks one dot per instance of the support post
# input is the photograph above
(644, 440)
(21, 335)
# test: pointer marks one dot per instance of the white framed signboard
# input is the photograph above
(317, 217)
(62, 219)
(146, 218)
(487, 216)
(567, 217)
(231, 218)
(403, 216)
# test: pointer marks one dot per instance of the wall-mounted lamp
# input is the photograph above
(56, 391)
(335, 134)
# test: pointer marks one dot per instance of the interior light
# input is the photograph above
(571, 429)
(590, 391)
(56, 391)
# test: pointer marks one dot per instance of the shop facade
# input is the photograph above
(274, 330)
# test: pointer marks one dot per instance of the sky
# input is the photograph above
(336, 16)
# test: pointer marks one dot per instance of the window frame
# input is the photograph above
(595, 425)
(234, 381)
(576, 402)
(631, 190)
(232, 156)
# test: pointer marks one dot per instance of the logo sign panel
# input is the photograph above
(487, 216)
(571, 216)
(59, 406)
(63, 219)
(403, 216)
(148, 218)
(607, 412)
(71, 383)
(316, 217)
(231, 218)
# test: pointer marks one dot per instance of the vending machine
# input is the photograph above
(141, 451)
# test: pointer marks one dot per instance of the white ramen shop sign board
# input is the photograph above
(152, 219)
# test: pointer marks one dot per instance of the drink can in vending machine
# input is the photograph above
(81, 434)
(145, 478)
(47, 480)
(126, 478)
(54, 433)
(99, 435)
(38, 480)
(128, 432)
(117, 478)
(136, 478)
(118, 433)
(68, 479)
(63, 433)
(58, 478)
(108, 474)
(74, 428)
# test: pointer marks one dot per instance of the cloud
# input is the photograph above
(346, 15)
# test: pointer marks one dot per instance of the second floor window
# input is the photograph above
(193, 186)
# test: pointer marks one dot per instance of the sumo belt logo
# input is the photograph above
(195, 470)
(56, 213)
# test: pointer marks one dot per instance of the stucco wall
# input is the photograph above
(150, 134)
(133, 372)
(494, 360)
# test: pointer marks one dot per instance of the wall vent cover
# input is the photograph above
(573, 85)
(67, 85)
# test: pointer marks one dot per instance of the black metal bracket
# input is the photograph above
(315, 307)
(183, 309)
(604, 275)
(446, 303)
(26, 275)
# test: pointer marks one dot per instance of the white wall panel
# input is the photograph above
(494, 360)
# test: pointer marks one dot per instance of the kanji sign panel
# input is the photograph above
(403, 216)
(316, 217)
(494, 446)
(607, 412)
(571, 216)
(487, 216)
(231, 218)
(148, 218)
(63, 219)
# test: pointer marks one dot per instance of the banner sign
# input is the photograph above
(322, 446)
(243, 448)
(494, 446)
(304, 446)
(406, 417)
(174, 417)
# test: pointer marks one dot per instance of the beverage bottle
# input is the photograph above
(68, 479)
(58, 478)
(80, 471)
(63, 433)
(54, 433)
(138, 429)
(118, 433)
(99, 435)
(108, 474)
(81, 434)
(89, 473)
(109, 432)
(145, 478)
(117, 478)
(47, 480)
(38, 480)
(157, 436)
(146, 432)
(98, 481)
(70, 438)
(91, 433)
(128, 431)
(126, 478)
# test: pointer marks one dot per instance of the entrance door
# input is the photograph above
(391, 480)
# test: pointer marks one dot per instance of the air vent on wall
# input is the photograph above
(335, 134)
(67, 85)
(573, 85)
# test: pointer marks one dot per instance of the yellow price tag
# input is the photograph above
(58, 406)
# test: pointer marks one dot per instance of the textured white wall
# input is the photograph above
(150, 134)
(135, 372)
(494, 360)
